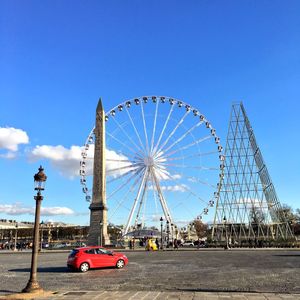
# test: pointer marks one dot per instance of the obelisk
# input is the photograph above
(98, 217)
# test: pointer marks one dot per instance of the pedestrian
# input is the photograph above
(157, 243)
(175, 244)
(198, 245)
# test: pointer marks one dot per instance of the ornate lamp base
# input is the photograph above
(32, 287)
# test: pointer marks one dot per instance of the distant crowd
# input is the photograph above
(19, 246)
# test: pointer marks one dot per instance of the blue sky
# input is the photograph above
(58, 57)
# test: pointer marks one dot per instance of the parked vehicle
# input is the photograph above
(45, 245)
(86, 258)
(200, 244)
(187, 244)
(151, 245)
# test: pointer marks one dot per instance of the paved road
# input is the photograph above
(168, 271)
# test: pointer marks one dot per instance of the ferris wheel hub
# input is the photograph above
(148, 161)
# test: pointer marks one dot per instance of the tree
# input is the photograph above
(201, 229)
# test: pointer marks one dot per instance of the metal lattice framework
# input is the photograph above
(163, 158)
(248, 207)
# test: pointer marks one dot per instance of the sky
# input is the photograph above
(57, 58)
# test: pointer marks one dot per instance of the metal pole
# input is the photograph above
(32, 285)
(16, 237)
(161, 235)
(41, 237)
(172, 237)
(168, 234)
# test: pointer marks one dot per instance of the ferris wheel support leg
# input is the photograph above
(135, 203)
(162, 199)
(142, 200)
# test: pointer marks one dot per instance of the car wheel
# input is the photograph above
(120, 264)
(84, 267)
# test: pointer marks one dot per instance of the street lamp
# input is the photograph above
(168, 233)
(161, 233)
(42, 224)
(16, 237)
(226, 237)
(39, 181)
(172, 237)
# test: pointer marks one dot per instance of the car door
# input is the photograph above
(90, 256)
(104, 258)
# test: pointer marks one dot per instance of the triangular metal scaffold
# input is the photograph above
(248, 207)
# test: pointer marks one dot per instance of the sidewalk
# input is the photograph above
(152, 295)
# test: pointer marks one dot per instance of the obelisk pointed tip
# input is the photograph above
(99, 106)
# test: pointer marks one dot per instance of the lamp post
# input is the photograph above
(226, 237)
(176, 232)
(172, 236)
(42, 224)
(161, 233)
(168, 233)
(16, 237)
(39, 181)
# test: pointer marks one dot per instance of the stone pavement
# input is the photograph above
(156, 295)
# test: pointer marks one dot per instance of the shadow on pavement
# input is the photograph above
(7, 291)
(44, 270)
(287, 255)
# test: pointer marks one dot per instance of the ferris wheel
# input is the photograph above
(163, 159)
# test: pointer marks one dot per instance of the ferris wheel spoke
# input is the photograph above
(154, 127)
(132, 166)
(142, 199)
(135, 202)
(194, 179)
(191, 156)
(125, 183)
(173, 131)
(163, 130)
(121, 160)
(130, 190)
(181, 203)
(185, 187)
(145, 131)
(123, 144)
(135, 130)
(127, 135)
(186, 146)
(183, 136)
(121, 176)
(190, 167)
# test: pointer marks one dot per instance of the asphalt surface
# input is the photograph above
(214, 271)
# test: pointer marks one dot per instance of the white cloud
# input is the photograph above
(172, 188)
(19, 209)
(175, 188)
(56, 211)
(63, 159)
(9, 155)
(67, 161)
(10, 139)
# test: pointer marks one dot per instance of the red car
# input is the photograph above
(84, 258)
